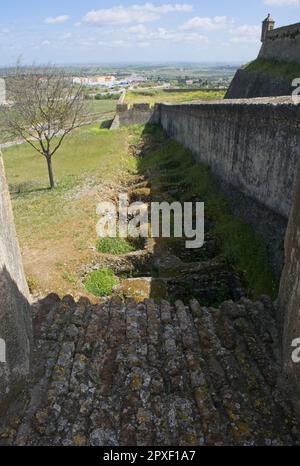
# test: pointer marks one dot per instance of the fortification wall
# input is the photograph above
(251, 144)
(251, 84)
(15, 321)
(282, 44)
(289, 295)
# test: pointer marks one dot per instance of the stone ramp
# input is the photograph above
(143, 374)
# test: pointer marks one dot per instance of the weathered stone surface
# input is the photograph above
(289, 295)
(144, 374)
(248, 84)
(15, 323)
(282, 44)
(137, 114)
(251, 144)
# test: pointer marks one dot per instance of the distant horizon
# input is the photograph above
(128, 64)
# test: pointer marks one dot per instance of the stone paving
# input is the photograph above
(120, 373)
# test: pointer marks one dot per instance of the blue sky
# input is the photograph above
(95, 31)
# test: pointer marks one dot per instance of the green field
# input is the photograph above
(58, 229)
(153, 96)
(95, 110)
(99, 107)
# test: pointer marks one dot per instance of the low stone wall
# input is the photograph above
(15, 320)
(137, 114)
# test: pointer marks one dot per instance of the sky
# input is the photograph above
(95, 31)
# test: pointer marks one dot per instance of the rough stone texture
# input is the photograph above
(137, 114)
(141, 374)
(265, 222)
(248, 84)
(282, 44)
(289, 296)
(15, 323)
(251, 144)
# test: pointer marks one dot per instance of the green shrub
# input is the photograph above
(100, 282)
(114, 246)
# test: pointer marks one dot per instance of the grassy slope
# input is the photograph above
(154, 96)
(56, 229)
(290, 70)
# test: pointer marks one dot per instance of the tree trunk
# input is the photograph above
(50, 172)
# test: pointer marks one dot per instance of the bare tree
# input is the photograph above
(45, 107)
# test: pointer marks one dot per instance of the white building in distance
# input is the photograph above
(2, 92)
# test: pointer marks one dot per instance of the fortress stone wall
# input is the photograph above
(15, 321)
(289, 296)
(248, 84)
(282, 44)
(254, 145)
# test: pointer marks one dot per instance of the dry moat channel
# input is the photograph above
(233, 261)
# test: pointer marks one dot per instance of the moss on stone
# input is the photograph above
(288, 69)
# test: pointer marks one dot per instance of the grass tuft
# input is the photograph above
(100, 282)
(114, 246)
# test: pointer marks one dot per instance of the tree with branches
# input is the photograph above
(45, 107)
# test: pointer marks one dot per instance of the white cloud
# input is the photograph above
(57, 19)
(143, 44)
(192, 38)
(282, 2)
(139, 29)
(209, 24)
(134, 13)
(162, 34)
(245, 34)
(68, 35)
